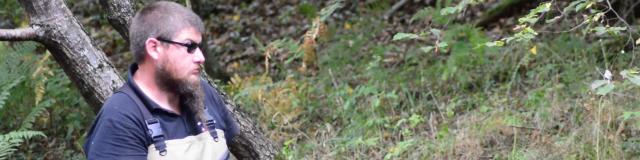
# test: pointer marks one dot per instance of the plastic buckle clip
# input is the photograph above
(211, 126)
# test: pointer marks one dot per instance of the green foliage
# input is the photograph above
(442, 90)
(534, 14)
(12, 14)
(13, 139)
(631, 75)
(403, 36)
(308, 10)
(40, 99)
(448, 91)
(525, 33)
(4, 94)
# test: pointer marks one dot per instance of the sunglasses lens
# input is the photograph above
(192, 47)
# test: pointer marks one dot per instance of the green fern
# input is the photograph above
(27, 123)
(40, 77)
(15, 68)
(5, 90)
(9, 141)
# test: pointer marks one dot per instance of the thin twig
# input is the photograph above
(394, 8)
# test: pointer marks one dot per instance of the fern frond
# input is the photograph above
(6, 149)
(25, 48)
(9, 141)
(40, 69)
(40, 108)
(22, 135)
(4, 94)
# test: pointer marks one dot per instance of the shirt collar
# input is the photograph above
(150, 104)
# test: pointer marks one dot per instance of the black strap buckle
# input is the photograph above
(155, 130)
(211, 126)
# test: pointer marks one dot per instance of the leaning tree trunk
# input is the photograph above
(53, 25)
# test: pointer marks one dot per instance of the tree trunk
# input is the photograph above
(53, 25)
(84, 63)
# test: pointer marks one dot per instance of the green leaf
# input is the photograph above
(404, 36)
(495, 44)
(628, 115)
(600, 30)
(530, 20)
(532, 17)
(597, 84)
(635, 80)
(545, 7)
(616, 30)
(605, 89)
(435, 32)
(426, 49)
(631, 75)
(448, 11)
(443, 45)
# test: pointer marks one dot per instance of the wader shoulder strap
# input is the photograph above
(153, 124)
(211, 125)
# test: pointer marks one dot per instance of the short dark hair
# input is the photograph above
(160, 19)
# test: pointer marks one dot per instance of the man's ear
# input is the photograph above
(153, 48)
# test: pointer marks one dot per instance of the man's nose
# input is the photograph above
(198, 56)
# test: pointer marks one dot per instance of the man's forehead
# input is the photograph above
(191, 34)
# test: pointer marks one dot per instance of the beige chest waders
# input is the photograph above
(201, 146)
(209, 145)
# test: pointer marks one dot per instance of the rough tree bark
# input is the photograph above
(119, 14)
(53, 25)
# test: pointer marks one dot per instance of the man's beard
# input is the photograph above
(190, 93)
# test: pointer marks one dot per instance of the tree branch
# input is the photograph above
(119, 14)
(19, 34)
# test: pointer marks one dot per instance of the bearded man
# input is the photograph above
(164, 111)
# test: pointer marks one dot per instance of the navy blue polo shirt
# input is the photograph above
(119, 129)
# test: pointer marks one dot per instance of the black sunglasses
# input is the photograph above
(191, 46)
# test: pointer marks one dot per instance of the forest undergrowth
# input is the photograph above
(558, 80)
